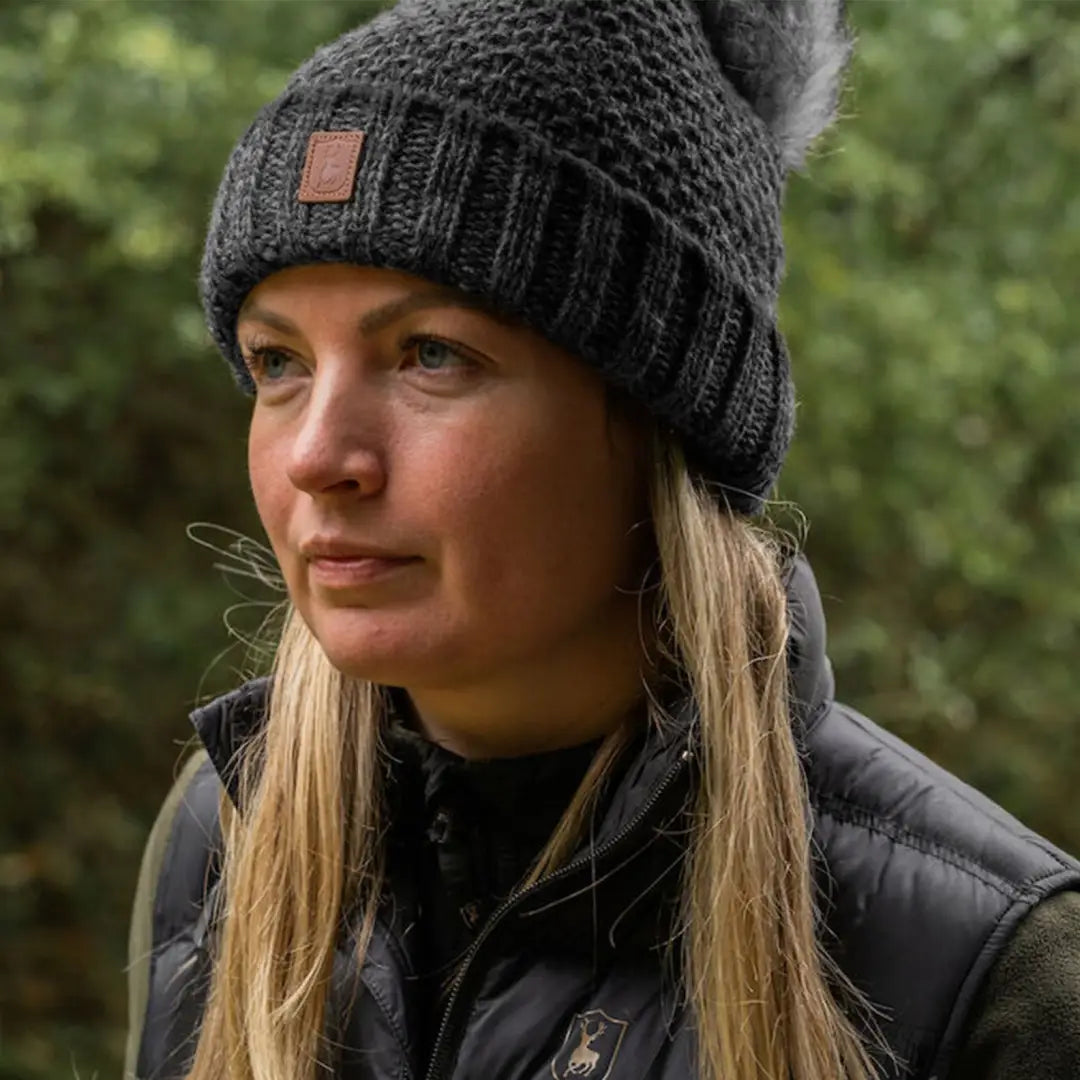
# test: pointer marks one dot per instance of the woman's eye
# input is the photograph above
(268, 364)
(435, 355)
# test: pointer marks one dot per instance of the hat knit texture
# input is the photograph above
(610, 172)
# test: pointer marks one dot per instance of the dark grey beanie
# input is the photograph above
(608, 171)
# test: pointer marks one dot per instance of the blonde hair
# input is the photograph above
(308, 849)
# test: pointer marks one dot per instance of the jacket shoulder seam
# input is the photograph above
(843, 810)
(873, 731)
(936, 848)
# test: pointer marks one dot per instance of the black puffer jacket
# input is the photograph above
(923, 881)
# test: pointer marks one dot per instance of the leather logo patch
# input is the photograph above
(591, 1045)
(330, 166)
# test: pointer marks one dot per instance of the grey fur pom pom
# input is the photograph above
(786, 58)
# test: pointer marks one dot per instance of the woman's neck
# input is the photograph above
(580, 695)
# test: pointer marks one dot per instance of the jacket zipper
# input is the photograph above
(442, 1047)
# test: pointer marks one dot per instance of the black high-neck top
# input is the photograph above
(470, 830)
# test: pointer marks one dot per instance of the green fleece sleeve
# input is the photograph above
(1025, 1023)
(140, 936)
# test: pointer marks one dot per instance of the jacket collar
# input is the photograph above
(812, 686)
(225, 723)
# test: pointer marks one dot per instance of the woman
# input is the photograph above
(548, 778)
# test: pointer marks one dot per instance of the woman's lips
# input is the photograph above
(348, 571)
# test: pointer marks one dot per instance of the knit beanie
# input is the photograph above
(610, 172)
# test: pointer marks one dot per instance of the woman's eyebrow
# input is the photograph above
(372, 322)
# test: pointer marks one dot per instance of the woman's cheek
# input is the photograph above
(270, 486)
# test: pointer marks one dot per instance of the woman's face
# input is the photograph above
(450, 502)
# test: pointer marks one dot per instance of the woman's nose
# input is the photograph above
(337, 448)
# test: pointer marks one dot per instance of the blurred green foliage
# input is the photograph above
(931, 311)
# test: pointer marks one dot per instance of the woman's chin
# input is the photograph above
(391, 666)
(367, 645)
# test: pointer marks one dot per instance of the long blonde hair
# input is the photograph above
(308, 848)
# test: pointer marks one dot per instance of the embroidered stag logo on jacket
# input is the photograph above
(590, 1047)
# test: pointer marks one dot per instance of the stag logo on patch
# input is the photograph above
(591, 1045)
(330, 166)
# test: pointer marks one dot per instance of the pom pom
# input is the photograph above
(786, 58)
